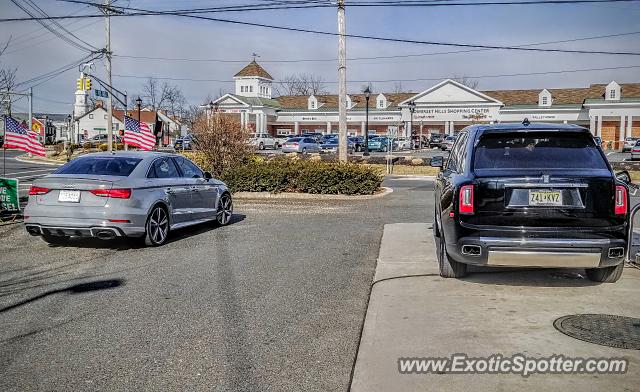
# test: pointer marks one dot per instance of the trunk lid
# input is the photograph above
(64, 189)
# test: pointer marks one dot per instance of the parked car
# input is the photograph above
(184, 143)
(435, 140)
(126, 194)
(403, 143)
(447, 144)
(331, 145)
(382, 143)
(280, 139)
(530, 195)
(629, 143)
(97, 139)
(358, 143)
(635, 151)
(301, 144)
(317, 136)
(263, 140)
(418, 141)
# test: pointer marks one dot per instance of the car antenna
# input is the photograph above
(525, 122)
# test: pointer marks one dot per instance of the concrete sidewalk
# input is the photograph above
(414, 313)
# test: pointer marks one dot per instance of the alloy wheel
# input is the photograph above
(225, 210)
(158, 227)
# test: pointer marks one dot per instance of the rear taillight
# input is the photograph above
(37, 190)
(115, 193)
(620, 207)
(466, 200)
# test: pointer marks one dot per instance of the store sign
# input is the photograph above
(456, 114)
(334, 118)
(9, 200)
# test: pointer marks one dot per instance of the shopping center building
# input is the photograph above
(611, 111)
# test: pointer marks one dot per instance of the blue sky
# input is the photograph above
(35, 52)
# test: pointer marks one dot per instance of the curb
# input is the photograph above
(416, 176)
(39, 161)
(306, 196)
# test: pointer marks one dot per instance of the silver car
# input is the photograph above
(629, 143)
(302, 145)
(132, 194)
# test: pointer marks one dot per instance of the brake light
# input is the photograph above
(620, 206)
(114, 193)
(466, 200)
(37, 190)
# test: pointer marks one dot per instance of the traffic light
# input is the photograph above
(80, 84)
(87, 84)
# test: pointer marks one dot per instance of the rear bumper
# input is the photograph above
(539, 252)
(86, 227)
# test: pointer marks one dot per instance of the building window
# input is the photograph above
(612, 94)
(250, 89)
(313, 104)
(544, 101)
(91, 117)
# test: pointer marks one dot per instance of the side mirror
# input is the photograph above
(624, 176)
(437, 161)
(207, 175)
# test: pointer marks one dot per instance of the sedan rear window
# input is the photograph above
(103, 166)
(537, 150)
(293, 139)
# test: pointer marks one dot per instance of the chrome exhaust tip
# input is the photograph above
(616, 253)
(471, 250)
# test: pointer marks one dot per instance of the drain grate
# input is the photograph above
(603, 329)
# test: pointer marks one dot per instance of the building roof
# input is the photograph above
(562, 97)
(253, 69)
(145, 115)
(257, 101)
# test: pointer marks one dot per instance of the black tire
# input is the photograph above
(436, 229)
(225, 210)
(606, 274)
(261, 146)
(449, 268)
(157, 227)
(55, 239)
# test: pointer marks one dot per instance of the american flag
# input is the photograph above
(138, 134)
(15, 136)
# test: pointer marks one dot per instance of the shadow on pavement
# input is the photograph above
(549, 277)
(138, 243)
(75, 289)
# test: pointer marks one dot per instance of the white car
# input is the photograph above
(629, 143)
(263, 140)
(404, 143)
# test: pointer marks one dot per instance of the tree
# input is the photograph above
(7, 80)
(471, 83)
(165, 96)
(222, 141)
(301, 84)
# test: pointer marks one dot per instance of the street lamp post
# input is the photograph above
(211, 107)
(367, 95)
(412, 109)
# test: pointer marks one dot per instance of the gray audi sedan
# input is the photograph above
(132, 194)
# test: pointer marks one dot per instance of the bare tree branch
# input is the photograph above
(301, 84)
(471, 83)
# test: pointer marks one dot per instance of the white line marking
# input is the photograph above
(29, 171)
(609, 153)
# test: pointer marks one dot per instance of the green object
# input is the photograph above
(9, 200)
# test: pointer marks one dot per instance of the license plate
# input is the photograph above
(545, 198)
(69, 196)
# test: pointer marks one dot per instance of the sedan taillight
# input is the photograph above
(114, 193)
(466, 200)
(620, 207)
(38, 190)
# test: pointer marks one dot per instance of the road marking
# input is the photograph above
(29, 171)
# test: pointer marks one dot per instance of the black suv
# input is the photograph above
(530, 195)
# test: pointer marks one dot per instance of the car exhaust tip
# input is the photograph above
(471, 250)
(105, 235)
(615, 253)
(33, 230)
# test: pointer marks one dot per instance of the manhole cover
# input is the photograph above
(602, 329)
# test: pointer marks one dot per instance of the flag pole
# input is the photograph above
(4, 149)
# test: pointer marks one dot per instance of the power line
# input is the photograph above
(368, 57)
(400, 80)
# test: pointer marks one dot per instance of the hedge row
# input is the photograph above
(289, 175)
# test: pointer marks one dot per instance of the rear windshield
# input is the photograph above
(103, 166)
(294, 139)
(537, 150)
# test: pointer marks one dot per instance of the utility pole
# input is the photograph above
(107, 10)
(342, 84)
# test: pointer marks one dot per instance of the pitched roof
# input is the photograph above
(145, 115)
(254, 69)
(257, 101)
(561, 96)
(326, 101)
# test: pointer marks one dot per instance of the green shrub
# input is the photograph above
(287, 175)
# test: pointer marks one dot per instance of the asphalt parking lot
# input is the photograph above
(272, 302)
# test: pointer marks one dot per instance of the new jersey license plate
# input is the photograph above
(545, 198)
(69, 196)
